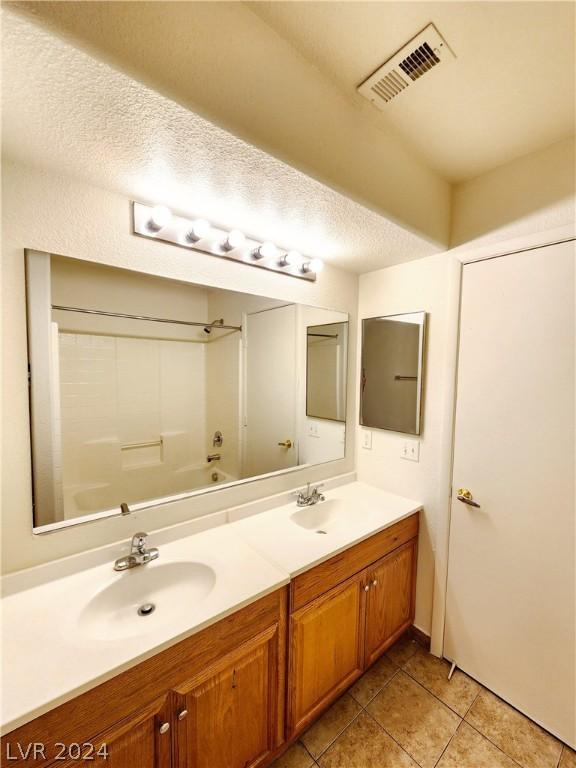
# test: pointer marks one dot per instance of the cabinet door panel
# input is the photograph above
(326, 650)
(390, 604)
(232, 709)
(135, 742)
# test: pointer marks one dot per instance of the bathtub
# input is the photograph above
(137, 484)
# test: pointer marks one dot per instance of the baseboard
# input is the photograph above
(420, 636)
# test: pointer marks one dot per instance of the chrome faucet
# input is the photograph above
(213, 457)
(139, 553)
(310, 497)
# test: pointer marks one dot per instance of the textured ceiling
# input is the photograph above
(223, 62)
(510, 92)
(65, 111)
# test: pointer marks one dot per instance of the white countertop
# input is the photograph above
(48, 656)
(361, 512)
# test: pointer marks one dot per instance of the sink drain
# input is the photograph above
(320, 531)
(146, 609)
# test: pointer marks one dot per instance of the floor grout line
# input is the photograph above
(323, 752)
(434, 695)
(484, 736)
(448, 744)
(393, 739)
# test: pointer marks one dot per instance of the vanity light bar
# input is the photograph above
(159, 223)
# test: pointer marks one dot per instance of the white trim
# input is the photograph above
(448, 415)
(466, 254)
(462, 257)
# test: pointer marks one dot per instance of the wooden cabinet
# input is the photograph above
(326, 652)
(228, 715)
(335, 635)
(220, 698)
(229, 678)
(140, 741)
(390, 599)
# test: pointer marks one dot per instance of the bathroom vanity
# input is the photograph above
(344, 614)
(234, 692)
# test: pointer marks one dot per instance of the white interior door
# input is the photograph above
(510, 612)
(270, 401)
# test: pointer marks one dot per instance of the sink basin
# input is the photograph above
(329, 516)
(143, 599)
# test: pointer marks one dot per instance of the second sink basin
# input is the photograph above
(329, 516)
(144, 598)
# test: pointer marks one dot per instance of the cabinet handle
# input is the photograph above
(366, 587)
(182, 715)
(165, 727)
(374, 582)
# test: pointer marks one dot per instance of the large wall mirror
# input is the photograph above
(145, 389)
(392, 372)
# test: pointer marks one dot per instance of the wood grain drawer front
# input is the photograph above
(326, 651)
(232, 709)
(318, 580)
(390, 599)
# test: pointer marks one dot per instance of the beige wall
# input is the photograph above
(64, 216)
(506, 206)
(535, 192)
(427, 285)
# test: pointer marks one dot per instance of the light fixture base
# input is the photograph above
(175, 231)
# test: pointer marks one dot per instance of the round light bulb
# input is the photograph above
(197, 230)
(234, 240)
(292, 259)
(265, 251)
(314, 265)
(159, 218)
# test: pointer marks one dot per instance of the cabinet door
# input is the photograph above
(142, 740)
(390, 603)
(326, 650)
(229, 715)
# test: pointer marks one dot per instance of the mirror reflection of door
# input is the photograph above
(270, 418)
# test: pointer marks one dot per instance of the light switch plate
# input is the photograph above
(313, 430)
(410, 450)
(367, 439)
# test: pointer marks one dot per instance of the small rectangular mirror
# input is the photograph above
(392, 372)
(327, 351)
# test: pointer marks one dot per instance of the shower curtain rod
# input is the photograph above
(216, 326)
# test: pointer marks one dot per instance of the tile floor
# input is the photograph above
(404, 713)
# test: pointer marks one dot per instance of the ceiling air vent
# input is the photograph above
(415, 59)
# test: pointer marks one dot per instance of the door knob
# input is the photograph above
(366, 587)
(164, 728)
(286, 444)
(374, 582)
(182, 714)
(465, 496)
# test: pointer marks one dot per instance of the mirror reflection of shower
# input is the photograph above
(213, 324)
(138, 380)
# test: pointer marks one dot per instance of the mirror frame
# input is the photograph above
(421, 371)
(38, 318)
